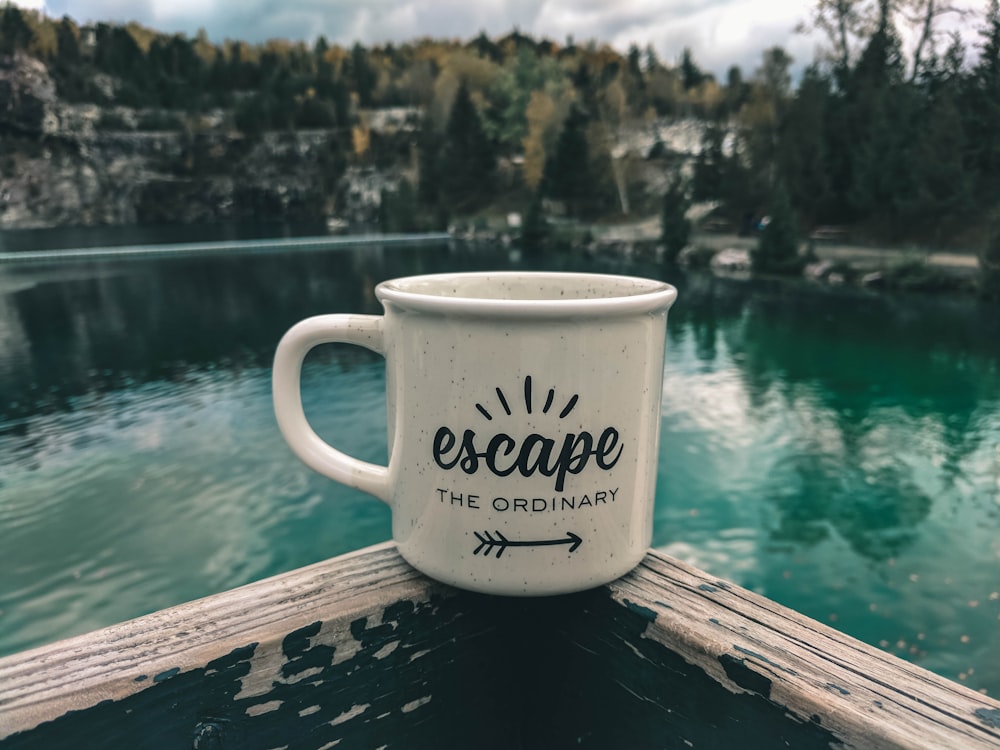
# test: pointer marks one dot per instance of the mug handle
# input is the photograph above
(362, 330)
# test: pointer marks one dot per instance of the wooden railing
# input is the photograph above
(362, 651)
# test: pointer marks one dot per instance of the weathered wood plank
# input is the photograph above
(362, 651)
(866, 697)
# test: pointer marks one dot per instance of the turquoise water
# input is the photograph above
(836, 451)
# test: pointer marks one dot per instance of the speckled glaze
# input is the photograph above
(524, 413)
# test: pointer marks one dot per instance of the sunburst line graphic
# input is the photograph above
(549, 398)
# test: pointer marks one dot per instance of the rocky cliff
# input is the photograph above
(73, 165)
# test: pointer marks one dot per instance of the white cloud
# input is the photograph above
(718, 32)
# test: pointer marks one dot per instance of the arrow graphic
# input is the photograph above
(487, 542)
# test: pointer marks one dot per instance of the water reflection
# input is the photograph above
(105, 326)
(837, 451)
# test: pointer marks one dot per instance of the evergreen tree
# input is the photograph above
(635, 64)
(15, 34)
(777, 250)
(468, 163)
(802, 147)
(942, 186)
(691, 75)
(983, 110)
(363, 75)
(429, 154)
(567, 174)
(708, 182)
(737, 90)
(675, 227)
(882, 122)
(67, 44)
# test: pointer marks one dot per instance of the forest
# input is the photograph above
(904, 145)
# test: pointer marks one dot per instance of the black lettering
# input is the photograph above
(613, 493)
(472, 501)
(501, 504)
(520, 503)
(536, 454)
(605, 444)
(570, 460)
(470, 459)
(539, 504)
(569, 502)
(509, 445)
(528, 467)
(444, 441)
(585, 500)
(600, 497)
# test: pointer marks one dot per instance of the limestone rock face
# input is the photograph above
(66, 164)
(27, 96)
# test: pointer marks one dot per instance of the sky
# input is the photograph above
(719, 33)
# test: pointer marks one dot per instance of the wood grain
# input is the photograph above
(362, 651)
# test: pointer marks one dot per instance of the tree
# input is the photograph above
(67, 43)
(736, 90)
(675, 227)
(511, 92)
(567, 173)
(773, 73)
(983, 109)
(708, 182)
(881, 119)
(363, 75)
(468, 163)
(15, 34)
(777, 250)
(545, 117)
(925, 14)
(802, 153)
(843, 22)
(691, 74)
(942, 186)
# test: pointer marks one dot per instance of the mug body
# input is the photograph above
(524, 416)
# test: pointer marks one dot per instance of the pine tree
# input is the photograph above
(15, 34)
(675, 227)
(802, 147)
(882, 128)
(468, 163)
(983, 110)
(567, 172)
(708, 183)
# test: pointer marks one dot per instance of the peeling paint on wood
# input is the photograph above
(362, 651)
(989, 716)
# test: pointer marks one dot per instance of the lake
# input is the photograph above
(835, 450)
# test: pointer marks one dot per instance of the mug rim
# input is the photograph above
(628, 295)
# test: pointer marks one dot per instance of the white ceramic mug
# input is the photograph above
(524, 420)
